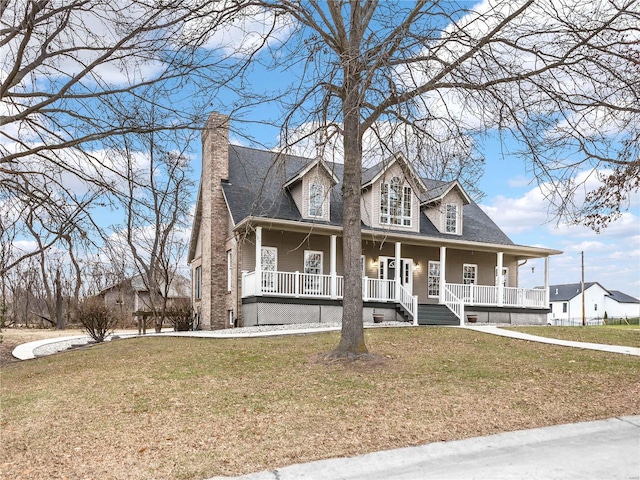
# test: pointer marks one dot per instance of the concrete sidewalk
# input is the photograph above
(554, 341)
(604, 449)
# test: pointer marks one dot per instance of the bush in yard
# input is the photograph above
(98, 320)
(180, 315)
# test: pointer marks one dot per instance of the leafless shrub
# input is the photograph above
(98, 320)
(180, 315)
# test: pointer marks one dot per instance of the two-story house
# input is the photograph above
(266, 244)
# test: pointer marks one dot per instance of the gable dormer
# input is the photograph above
(443, 206)
(391, 196)
(310, 188)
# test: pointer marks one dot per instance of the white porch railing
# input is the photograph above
(378, 290)
(487, 295)
(524, 297)
(289, 284)
(306, 285)
(453, 301)
(456, 296)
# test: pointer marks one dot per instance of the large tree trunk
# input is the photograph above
(352, 338)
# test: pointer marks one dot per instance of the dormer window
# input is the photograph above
(395, 203)
(451, 218)
(316, 200)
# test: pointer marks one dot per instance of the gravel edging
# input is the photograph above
(299, 326)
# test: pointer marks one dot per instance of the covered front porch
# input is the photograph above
(420, 280)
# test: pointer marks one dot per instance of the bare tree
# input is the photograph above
(156, 204)
(74, 75)
(447, 71)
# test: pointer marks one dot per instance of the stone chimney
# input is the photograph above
(214, 226)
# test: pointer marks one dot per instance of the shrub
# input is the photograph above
(98, 321)
(180, 315)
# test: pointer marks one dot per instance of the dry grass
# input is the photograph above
(177, 408)
(628, 336)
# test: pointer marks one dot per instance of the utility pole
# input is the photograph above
(583, 319)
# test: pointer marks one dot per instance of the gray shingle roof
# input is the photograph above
(567, 291)
(563, 293)
(255, 188)
(620, 297)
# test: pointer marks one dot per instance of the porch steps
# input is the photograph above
(403, 311)
(436, 315)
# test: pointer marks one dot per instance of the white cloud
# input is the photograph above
(585, 246)
(518, 215)
(255, 28)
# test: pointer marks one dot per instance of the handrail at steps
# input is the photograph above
(453, 303)
(406, 300)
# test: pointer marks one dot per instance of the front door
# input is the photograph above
(388, 271)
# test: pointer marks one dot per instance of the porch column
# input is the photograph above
(546, 281)
(398, 272)
(443, 268)
(500, 280)
(258, 269)
(332, 266)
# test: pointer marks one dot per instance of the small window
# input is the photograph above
(230, 317)
(362, 266)
(198, 282)
(595, 307)
(434, 279)
(229, 270)
(316, 200)
(469, 274)
(564, 307)
(451, 218)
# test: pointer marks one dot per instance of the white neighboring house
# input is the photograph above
(566, 304)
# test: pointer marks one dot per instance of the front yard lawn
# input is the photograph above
(187, 408)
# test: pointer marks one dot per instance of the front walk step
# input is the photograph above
(436, 315)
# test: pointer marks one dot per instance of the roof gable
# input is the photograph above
(438, 193)
(318, 163)
(373, 174)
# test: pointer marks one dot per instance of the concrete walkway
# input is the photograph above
(26, 350)
(604, 449)
(554, 341)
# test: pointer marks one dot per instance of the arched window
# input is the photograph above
(395, 203)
